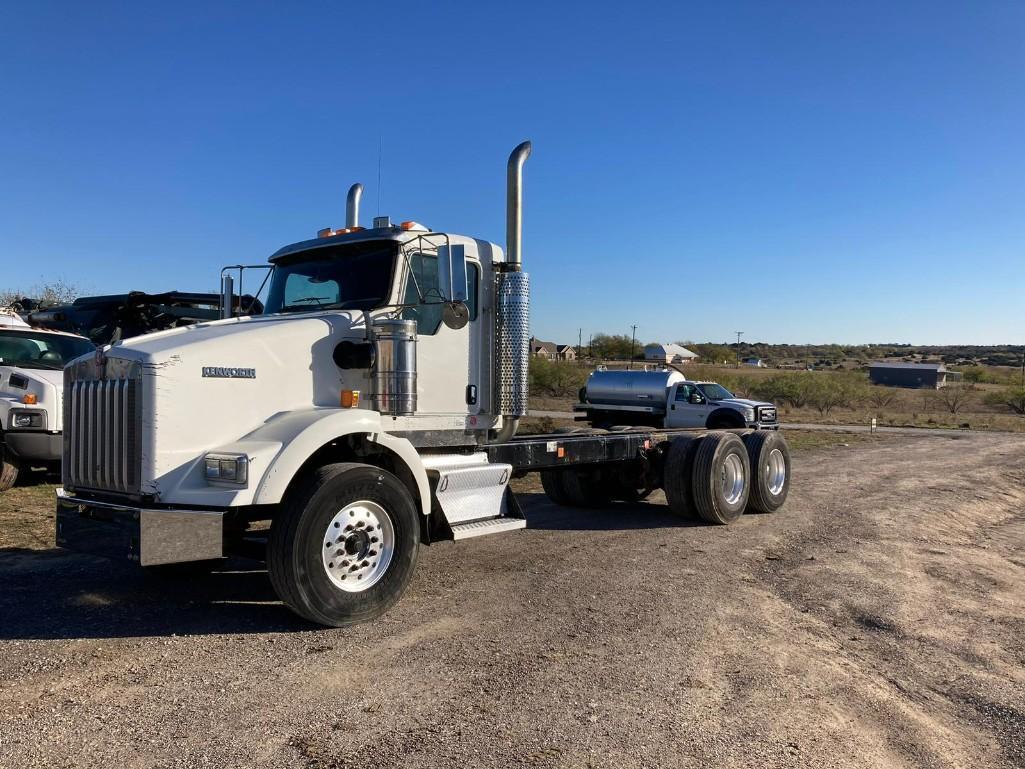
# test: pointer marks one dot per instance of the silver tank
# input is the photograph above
(631, 388)
(395, 366)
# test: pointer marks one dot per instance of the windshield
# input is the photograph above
(354, 276)
(31, 349)
(715, 392)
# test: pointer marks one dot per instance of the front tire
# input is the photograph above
(9, 469)
(344, 548)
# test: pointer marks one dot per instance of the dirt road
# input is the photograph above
(876, 621)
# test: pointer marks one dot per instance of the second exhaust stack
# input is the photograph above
(352, 205)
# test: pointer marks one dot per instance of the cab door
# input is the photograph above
(443, 380)
(687, 406)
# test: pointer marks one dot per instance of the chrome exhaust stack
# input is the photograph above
(514, 206)
(512, 308)
(352, 205)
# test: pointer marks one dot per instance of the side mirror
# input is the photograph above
(452, 272)
(455, 315)
(696, 399)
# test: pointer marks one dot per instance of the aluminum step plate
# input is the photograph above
(487, 526)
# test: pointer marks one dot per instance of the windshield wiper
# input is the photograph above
(297, 304)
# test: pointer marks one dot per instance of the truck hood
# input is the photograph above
(45, 384)
(740, 402)
(212, 384)
(238, 338)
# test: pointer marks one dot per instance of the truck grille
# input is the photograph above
(101, 433)
(767, 414)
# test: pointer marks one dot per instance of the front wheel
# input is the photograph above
(9, 469)
(344, 548)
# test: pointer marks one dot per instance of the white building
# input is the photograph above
(668, 353)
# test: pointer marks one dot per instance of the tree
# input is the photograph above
(712, 353)
(615, 346)
(58, 291)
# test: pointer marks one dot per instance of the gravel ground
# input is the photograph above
(875, 621)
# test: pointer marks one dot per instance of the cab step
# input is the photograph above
(487, 526)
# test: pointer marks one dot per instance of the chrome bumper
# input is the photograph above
(149, 537)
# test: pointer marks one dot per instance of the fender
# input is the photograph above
(726, 413)
(301, 433)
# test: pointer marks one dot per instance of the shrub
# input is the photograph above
(826, 393)
(881, 396)
(955, 396)
(785, 388)
(1010, 397)
(557, 379)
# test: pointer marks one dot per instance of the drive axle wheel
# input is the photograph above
(551, 482)
(722, 478)
(343, 550)
(769, 458)
(678, 476)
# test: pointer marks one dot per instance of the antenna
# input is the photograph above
(380, 148)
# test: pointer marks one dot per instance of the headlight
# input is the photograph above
(227, 468)
(22, 419)
(749, 415)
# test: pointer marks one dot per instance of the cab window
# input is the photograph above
(683, 392)
(427, 311)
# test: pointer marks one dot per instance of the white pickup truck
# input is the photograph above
(668, 399)
(31, 392)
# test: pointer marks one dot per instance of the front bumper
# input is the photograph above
(35, 445)
(149, 537)
(763, 425)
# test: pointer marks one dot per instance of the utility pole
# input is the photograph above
(580, 341)
(739, 334)
(633, 339)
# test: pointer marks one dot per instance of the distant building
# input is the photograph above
(669, 353)
(551, 350)
(927, 375)
(755, 362)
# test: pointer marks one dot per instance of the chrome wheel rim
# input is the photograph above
(776, 472)
(358, 546)
(733, 479)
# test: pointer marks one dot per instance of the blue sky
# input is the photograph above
(804, 171)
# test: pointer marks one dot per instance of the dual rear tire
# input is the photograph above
(717, 476)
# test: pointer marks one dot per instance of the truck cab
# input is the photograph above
(31, 389)
(709, 404)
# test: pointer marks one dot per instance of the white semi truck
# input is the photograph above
(373, 407)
